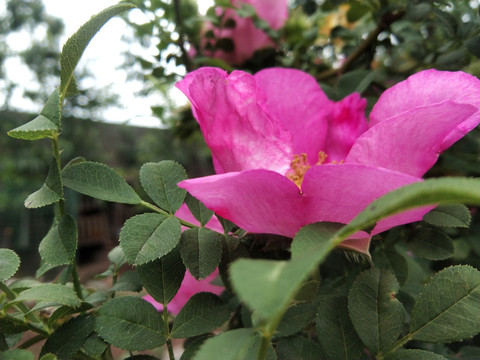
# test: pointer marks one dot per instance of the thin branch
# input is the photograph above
(385, 21)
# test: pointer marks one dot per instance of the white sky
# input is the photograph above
(103, 59)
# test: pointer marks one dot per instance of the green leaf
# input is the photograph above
(9, 264)
(53, 294)
(201, 213)
(16, 354)
(309, 236)
(147, 237)
(160, 183)
(277, 281)
(201, 251)
(58, 247)
(431, 244)
(409, 354)
(355, 81)
(94, 346)
(162, 278)
(76, 44)
(375, 312)
(447, 308)
(299, 348)
(50, 192)
(64, 311)
(191, 348)
(69, 338)
(473, 45)
(204, 312)
(230, 345)
(391, 260)
(48, 357)
(99, 181)
(116, 256)
(447, 190)
(453, 215)
(295, 319)
(130, 323)
(47, 124)
(129, 281)
(10, 326)
(335, 330)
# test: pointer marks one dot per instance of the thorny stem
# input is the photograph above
(181, 36)
(384, 23)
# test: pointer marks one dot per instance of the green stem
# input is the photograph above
(76, 280)
(171, 355)
(42, 331)
(163, 212)
(23, 308)
(31, 341)
(399, 344)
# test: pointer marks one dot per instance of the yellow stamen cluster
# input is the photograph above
(300, 165)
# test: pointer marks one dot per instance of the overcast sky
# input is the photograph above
(103, 58)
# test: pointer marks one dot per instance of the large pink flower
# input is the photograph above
(191, 286)
(286, 156)
(246, 37)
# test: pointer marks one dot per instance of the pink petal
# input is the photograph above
(411, 141)
(259, 201)
(190, 286)
(339, 192)
(345, 124)
(185, 214)
(238, 131)
(247, 39)
(294, 98)
(427, 88)
(274, 12)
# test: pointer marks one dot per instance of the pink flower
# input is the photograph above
(286, 156)
(246, 37)
(190, 286)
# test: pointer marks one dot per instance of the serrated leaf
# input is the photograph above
(160, 183)
(409, 354)
(230, 345)
(50, 192)
(69, 338)
(17, 354)
(55, 294)
(162, 278)
(9, 264)
(375, 312)
(147, 237)
(447, 308)
(198, 210)
(99, 181)
(204, 312)
(392, 261)
(76, 44)
(201, 251)
(299, 348)
(58, 247)
(454, 215)
(39, 128)
(295, 319)
(130, 323)
(431, 244)
(335, 330)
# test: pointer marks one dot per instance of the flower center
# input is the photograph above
(300, 165)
